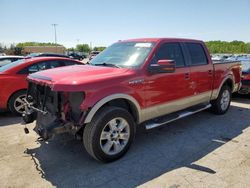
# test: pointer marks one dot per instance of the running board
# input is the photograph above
(175, 116)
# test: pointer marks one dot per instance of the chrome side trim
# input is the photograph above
(174, 106)
(182, 115)
(99, 104)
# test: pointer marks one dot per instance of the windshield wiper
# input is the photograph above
(107, 64)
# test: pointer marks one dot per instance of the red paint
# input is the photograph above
(99, 82)
(246, 81)
(11, 81)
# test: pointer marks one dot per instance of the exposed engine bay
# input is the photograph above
(55, 112)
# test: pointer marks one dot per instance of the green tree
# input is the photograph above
(23, 44)
(100, 48)
(248, 48)
(228, 47)
(71, 49)
(83, 48)
(1, 48)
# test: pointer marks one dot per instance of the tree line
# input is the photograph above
(86, 48)
(233, 47)
(18, 49)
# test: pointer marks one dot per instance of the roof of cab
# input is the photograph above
(160, 39)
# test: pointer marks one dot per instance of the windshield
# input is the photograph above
(245, 66)
(10, 65)
(124, 54)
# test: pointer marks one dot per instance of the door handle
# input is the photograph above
(210, 72)
(187, 76)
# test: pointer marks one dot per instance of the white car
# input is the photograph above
(4, 60)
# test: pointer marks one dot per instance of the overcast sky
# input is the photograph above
(102, 22)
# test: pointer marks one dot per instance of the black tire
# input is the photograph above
(11, 103)
(93, 130)
(216, 104)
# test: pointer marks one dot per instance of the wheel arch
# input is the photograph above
(229, 80)
(119, 100)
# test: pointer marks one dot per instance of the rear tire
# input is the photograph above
(16, 103)
(222, 103)
(110, 134)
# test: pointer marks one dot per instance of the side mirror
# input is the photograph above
(163, 66)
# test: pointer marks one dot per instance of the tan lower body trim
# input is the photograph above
(173, 106)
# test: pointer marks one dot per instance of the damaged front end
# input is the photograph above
(54, 112)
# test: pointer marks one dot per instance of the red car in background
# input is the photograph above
(245, 78)
(13, 84)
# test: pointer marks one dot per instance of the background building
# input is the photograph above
(44, 49)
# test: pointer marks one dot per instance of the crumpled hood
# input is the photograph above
(76, 75)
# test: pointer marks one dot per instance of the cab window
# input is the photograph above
(171, 51)
(197, 54)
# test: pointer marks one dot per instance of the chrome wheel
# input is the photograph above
(19, 104)
(114, 136)
(225, 100)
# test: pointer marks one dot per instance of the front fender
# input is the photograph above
(106, 99)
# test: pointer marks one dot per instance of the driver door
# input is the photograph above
(168, 92)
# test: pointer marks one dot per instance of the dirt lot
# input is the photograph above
(203, 150)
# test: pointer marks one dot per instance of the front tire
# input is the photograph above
(110, 134)
(222, 103)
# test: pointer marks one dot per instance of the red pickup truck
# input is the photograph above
(143, 81)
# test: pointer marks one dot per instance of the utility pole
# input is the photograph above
(90, 45)
(54, 25)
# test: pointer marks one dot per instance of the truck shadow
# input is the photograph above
(65, 163)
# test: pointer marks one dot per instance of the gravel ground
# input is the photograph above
(203, 150)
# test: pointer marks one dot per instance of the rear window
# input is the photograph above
(197, 54)
(39, 66)
(68, 63)
(11, 65)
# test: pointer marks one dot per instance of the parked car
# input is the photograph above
(4, 60)
(13, 79)
(93, 54)
(77, 56)
(245, 78)
(46, 55)
(149, 82)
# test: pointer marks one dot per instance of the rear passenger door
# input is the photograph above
(201, 72)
